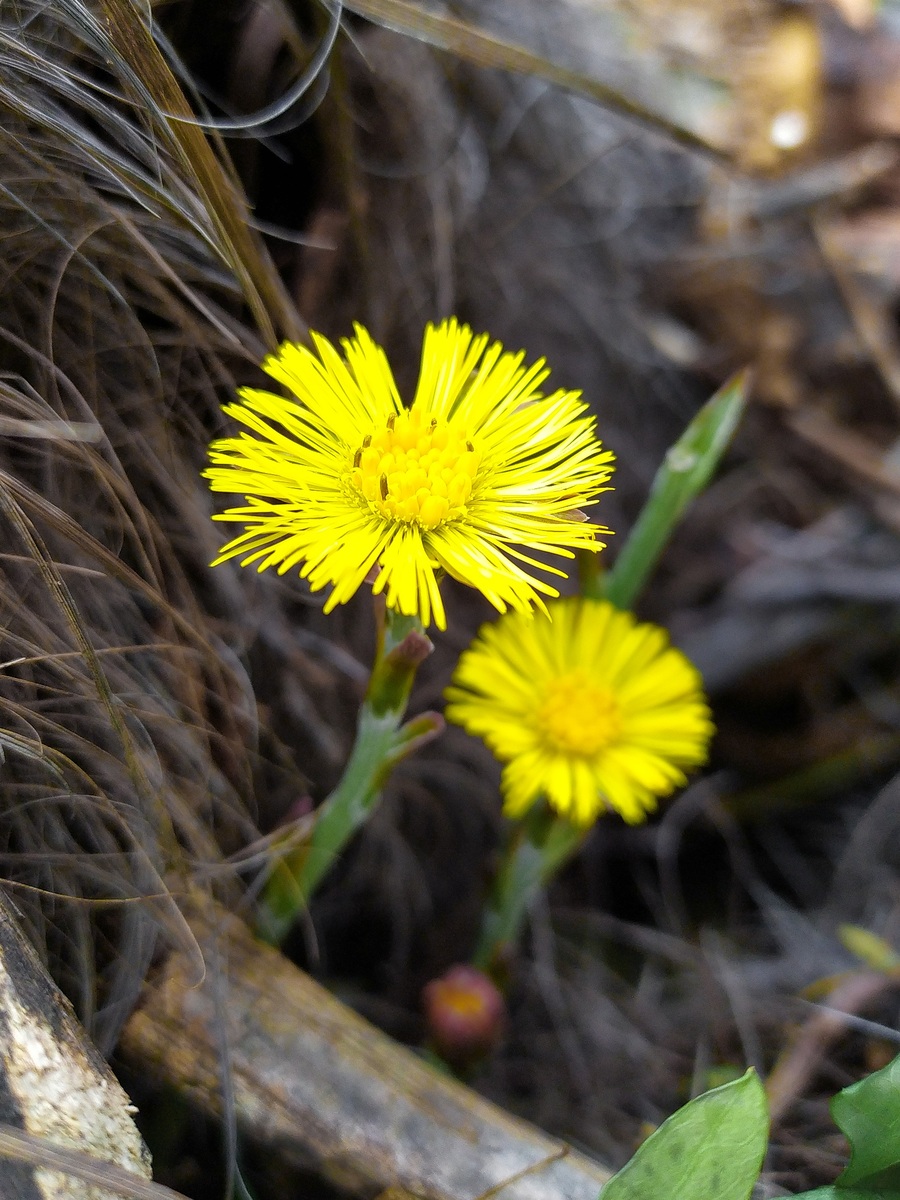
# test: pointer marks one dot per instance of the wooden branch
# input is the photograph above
(54, 1085)
(315, 1082)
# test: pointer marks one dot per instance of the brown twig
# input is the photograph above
(872, 321)
(798, 1064)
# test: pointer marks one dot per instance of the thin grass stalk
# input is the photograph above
(471, 44)
(152, 79)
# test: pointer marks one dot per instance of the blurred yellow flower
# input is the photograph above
(588, 708)
(343, 480)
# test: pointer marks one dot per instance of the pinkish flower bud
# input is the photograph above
(466, 1014)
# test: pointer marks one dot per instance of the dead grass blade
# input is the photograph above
(154, 89)
(474, 45)
(165, 833)
(17, 1146)
(130, 734)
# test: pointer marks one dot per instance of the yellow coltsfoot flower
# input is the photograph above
(587, 707)
(344, 480)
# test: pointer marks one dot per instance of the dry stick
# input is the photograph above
(873, 323)
(57, 1089)
(869, 463)
(796, 1067)
(312, 1080)
(852, 450)
(874, 327)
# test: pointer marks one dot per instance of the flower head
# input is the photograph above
(589, 708)
(344, 480)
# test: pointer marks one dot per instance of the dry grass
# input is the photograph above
(156, 718)
(130, 726)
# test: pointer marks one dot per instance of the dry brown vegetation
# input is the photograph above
(158, 719)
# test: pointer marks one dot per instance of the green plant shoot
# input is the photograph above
(686, 470)
(381, 742)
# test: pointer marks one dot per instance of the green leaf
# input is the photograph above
(687, 469)
(834, 1192)
(712, 1149)
(868, 1112)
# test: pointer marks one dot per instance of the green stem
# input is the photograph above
(537, 848)
(380, 743)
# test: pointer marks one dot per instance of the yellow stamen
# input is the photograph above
(417, 473)
(577, 717)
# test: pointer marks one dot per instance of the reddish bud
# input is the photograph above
(466, 1014)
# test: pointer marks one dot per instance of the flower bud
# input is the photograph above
(466, 1014)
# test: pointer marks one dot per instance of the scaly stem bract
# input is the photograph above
(380, 743)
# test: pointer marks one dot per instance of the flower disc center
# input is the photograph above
(577, 716)
(415, 469)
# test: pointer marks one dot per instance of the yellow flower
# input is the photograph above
(344, 480)
(587, 707)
